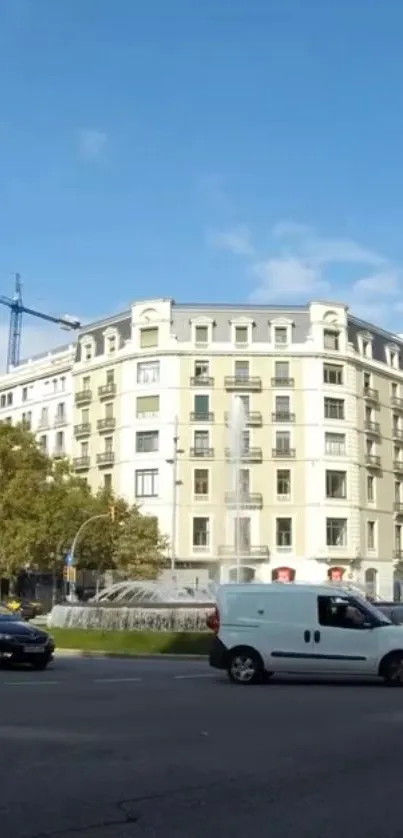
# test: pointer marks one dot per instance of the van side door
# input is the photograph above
(286, 630)
(345, 640)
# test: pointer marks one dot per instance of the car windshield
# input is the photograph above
(373, 611)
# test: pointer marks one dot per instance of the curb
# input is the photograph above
(80, 653)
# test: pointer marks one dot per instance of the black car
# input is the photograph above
(23, 643)
(393, 610)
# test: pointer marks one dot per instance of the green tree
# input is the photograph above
(42, 505)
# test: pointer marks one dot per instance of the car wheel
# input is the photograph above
(245, 666)
(393, 671)
(40, 664)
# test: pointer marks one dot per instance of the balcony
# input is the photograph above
(373, 461)
(250, 455)
(371, 395)
(398, 554)
(247, 500)
(243, 382)
(201, 416)
(82, 430)
(398, 466)
(247, 551)
(397, 434)
(282, 382)
(107, 458)
(107, 424)
(59, 454)
(60, 421)
(283, 453)
(372, 428)
(43, 425)
(283, 416)
(83, 397)
(398, 507)
(81, 463)
(107, 391)
(397, 403)
(253, 419)
(202, 453)
(201, 381)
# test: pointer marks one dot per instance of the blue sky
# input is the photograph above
(227, 150)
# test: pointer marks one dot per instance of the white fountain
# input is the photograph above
(237, 427)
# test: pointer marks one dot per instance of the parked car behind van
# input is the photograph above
(261, 630)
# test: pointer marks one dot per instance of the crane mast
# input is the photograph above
(17, 309)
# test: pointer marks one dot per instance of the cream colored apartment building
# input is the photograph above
(322, 450)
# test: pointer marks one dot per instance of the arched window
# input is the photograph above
(371, 583)
(246, 574)
(283, 574)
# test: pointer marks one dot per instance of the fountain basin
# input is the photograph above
(189, 617)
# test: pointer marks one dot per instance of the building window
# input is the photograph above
(147, 406)
(9, 399)
(241, 336)
(336, 532)
(201, 441)
(201, 533)
(335, 444)
(88, 351)
(283, 532)
(201, 335)
(281, 372)
(370, 488)
(43, 443)
(283, 441)
(148, 338)
(280, 335)
(61, 412)
(332, 374)
(147, 442)
(398, 538)
(331, 340)
(336, 485)
(84, 450)
(27, 420)
(244, 483)
(85, 416)
(201, 407)
(111, 344)
(245, 442)
(371, 583)
(147, 483)
(86, 383)
(107, 482)
(241, 369)
(334, 408)
(3, 400)
(201, 482)
(282, 407)
(283, 483)
(108, 444)
(25, 394)
(62, 383)
(242, 535)
(148, 372)
(44, 420)
(109, 410)
(201, 370)
(371, 535)
(60, 442)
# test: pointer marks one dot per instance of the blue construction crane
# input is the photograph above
(17, 309)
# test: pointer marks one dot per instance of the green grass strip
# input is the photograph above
(133, 642)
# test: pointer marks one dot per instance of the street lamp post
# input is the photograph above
(71, 556)
(175, 483)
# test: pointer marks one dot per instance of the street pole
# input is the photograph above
(175, 483)
(72, 584)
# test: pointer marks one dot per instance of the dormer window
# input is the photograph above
(365, 344)
(111, 344)
(331, 340)
(201, 335)
(149, 338)
(392, 356)
(241, 336)
(87, 351)
(280, 335)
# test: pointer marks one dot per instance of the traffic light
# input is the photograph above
(112, 513)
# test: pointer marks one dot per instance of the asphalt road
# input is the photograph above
(126, 749)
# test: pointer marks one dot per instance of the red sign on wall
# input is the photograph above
(336, 574)
(283, 574)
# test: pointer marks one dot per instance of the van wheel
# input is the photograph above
(245, 666)
(393, 670)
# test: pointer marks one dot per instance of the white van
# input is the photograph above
(307, 629)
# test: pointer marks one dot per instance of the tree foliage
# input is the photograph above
(42, 505)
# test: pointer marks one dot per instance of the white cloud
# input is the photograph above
(91, 143)
(237, 241)
(287, 277)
